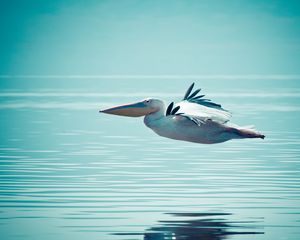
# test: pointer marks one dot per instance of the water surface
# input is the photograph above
(68, 172)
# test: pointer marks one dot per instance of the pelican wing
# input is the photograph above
(199, 109)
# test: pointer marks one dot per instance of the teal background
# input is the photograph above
(149, 37)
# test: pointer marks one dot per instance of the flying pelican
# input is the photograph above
(194, 119)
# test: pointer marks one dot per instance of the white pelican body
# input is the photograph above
(179, 128)
(194, 119)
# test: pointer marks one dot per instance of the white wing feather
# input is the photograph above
(198, 109)
(202, 112)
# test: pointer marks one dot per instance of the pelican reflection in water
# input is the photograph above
(200, 226)
(194, 119)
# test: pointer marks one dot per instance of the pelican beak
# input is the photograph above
(130, 110)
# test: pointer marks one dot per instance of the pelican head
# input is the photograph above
(138, 109)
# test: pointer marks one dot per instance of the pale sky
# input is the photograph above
(133, 37)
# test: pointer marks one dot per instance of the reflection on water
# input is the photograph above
(204, 226)
(67, 172)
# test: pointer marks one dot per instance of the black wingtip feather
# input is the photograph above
(200, 96)
(169, 109)
(199, 99)
(186, 96)
(175, 110)
(195, 93)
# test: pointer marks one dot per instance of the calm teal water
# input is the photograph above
(68, 172)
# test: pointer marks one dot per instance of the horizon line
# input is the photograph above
(164, 76)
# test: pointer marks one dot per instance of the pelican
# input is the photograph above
(194, 119)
